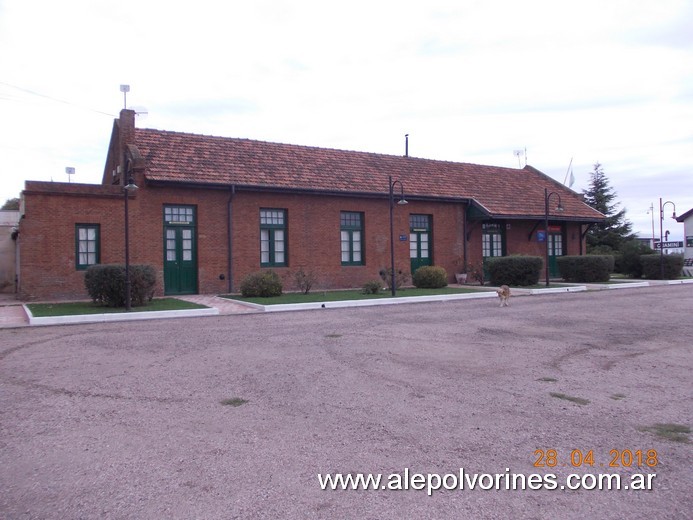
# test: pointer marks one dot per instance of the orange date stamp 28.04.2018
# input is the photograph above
(585, 458)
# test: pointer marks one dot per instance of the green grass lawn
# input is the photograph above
(354, 294)
(42, 310)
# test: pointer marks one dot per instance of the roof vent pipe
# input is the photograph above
(406, 145)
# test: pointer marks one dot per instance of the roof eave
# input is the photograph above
(300, 191)
(361, 194)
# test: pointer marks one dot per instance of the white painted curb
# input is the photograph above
(125, 316)
(552, 290)
(678, 282)
(369, 303)
(626, 285)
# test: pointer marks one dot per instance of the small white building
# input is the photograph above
(687, 219)
(8, 249)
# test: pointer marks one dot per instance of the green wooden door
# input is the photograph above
(492, 242)
(555, 250)
(419, 241)
(180, 251)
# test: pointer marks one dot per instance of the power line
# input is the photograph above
(33, 93)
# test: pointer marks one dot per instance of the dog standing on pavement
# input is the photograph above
(504, 295)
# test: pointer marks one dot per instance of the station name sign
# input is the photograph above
(668, 245)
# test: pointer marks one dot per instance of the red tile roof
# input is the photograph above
(175, 157)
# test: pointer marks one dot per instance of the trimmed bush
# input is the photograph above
(585, 269)
(514, 270)
(372, 287)
(430, 277)
(651, 269)
(105, 284)
(629, 261)
(263, 284)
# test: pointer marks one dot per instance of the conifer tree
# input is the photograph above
(616, 229)
(10, 204)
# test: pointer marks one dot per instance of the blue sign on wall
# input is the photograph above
(541, 236)
(403, 238)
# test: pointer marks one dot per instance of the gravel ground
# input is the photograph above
(126, 420)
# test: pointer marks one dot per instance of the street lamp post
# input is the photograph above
(401, 201)
(547, 196)
(130, 187)
(651, 212)
(661, 233)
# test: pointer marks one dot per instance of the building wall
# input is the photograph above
(8, 222)
(51, 213)
(47, 235)
(314, 235)
(519, 242)
(688, 237)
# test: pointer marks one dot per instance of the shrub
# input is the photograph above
(400, 278)
(651, 267)
(142, 283)
(629, 262)
(105, 284)
(585, 269)
(475, 272)
(371, 287)
(430, 277)
(601, 249)
(514, 270)
(305, 280)
(262, 283)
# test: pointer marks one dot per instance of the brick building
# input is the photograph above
(210, 210)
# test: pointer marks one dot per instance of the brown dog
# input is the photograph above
(504, 295)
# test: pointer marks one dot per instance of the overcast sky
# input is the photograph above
(608, 81)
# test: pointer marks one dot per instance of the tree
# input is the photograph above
(11, 204)
(616, 229)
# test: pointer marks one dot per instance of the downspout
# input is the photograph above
(229, 229)
(464, 242)
(15, 239)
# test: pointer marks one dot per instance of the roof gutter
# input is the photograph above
(362, 194)
(306, 191)
(229, 230)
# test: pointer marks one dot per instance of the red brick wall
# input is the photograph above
(518, 243)
(47, 235)
(314, 235)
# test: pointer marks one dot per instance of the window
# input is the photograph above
(272, 237)
(351, 235)
(420, 240)
(179, 215)
(87, 248)
(491, 239)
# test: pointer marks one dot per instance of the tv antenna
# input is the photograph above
(125, 89)
(518, 154)
(70, 171)
(141, 112)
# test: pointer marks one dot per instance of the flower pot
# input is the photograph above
(461, 278)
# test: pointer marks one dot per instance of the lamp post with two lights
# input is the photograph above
(559, 207)
(130, 187)
(401, 201)
(661, 234)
